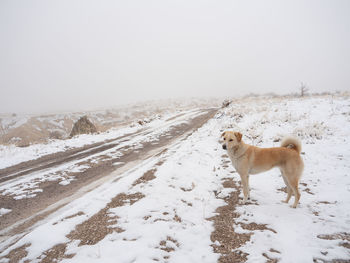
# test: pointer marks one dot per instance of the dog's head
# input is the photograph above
(231, 139)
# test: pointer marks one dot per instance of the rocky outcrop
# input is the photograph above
(225, 103)
(83, 126)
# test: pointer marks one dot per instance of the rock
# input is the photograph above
(22, 143)
(83, 126)
(56, 135)
(225, 103)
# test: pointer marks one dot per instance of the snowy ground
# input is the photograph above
(12, 155)
(159, 210)
(27, 129)
(28, 186)
(319, 228)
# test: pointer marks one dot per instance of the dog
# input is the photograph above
(248, 159)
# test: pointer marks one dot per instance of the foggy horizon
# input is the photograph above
(74, 55)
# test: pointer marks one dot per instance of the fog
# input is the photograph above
(73, 55)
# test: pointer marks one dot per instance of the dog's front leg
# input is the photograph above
(245, 185)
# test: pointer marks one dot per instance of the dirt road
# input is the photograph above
(50, 182)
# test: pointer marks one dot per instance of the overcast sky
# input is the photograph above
(70, 54)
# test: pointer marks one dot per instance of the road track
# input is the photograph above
(27, 211)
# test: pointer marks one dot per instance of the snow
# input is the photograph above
(4, 211)
(28, 186)
(176, 205)
(12, 155)
(164, 199)
(13, 122)
(325, 203)
(33, 128)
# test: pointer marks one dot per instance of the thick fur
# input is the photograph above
(291, 143)
(248, 159)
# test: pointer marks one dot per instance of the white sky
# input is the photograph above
(70, 54)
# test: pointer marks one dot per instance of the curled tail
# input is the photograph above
(291, 143)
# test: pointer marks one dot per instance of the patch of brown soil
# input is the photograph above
(326, 202)
(341, 236)
(187, 203)
(228, 183)
(308, 190)
(316, 213)
(177, 218)
(147, 176)
(101, 224)
(274, 251)
(345, 242)
(163, 244)
(147, 217)
(160, 162)
(24, 135)
(225, 240)
(269, 259)
(188, 189)
(95, 229)
(229, 241)
(160, 219)
(17, 254)
(318, 260)
(255, 226)
(57, 252)
(282, 189)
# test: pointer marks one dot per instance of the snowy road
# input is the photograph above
(32, 189)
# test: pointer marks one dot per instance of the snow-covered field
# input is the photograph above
(319, 229)
(158, 211)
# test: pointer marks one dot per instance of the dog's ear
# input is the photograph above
(223, 134)
(238, 136)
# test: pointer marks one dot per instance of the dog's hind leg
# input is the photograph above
(289, 189)
(294, 185)
(248, 187)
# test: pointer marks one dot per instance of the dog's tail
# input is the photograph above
(291, 143)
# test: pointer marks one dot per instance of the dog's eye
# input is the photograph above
(230, 140)
(224, 139)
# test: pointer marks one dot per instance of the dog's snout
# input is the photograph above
(224, 146)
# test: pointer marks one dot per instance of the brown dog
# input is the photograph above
(248, 159)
